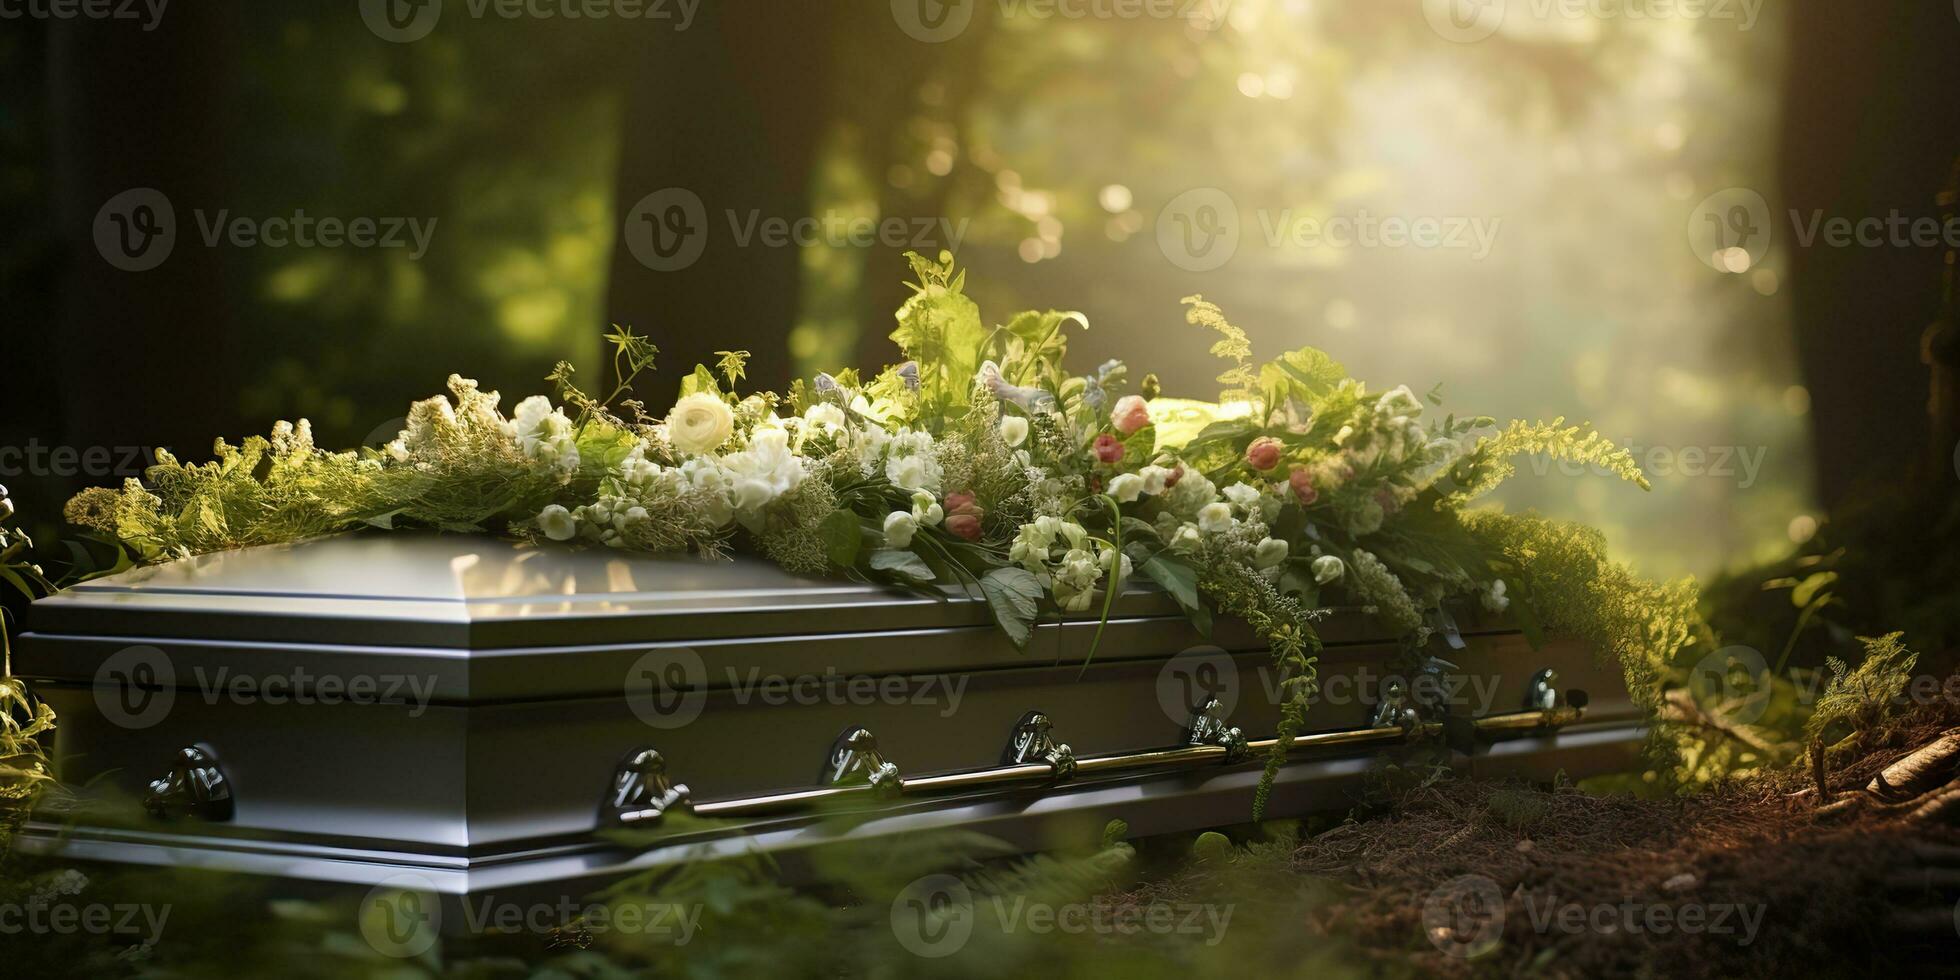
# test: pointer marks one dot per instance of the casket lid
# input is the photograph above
(472, 592)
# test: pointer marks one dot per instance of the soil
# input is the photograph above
(1758, 877)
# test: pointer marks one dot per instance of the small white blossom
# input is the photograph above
(1494, 598)
(1401, 401)
(1244, 496)
(1013, 430)
(1327, 568)
(557, 523)
(910, 463)
(1126, 487)
(1214, 518)
(1270, 552)
(926, 510)
(1154, 479)
(899, 528)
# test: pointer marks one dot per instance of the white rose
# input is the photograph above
(899, 528)
(699, 423)
(1154, 478)
(1126, 487)
(1327, 568)
(557, 523)
(1215, 517)
(1014, 430)
(1270, 552)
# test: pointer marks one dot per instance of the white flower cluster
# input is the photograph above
(546, 435)
(734, 486)
(1393, 434)
(901, 525)
(1067, 561)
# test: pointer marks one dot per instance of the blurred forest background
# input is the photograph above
(1055, 144)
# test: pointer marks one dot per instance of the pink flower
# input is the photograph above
(1107, 449)
(1301, 479)
(1263, 454)
(964, 525)
(1176, 475)
(1130, 414)
(961, 502)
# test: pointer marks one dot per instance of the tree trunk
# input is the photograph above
(1871, 127)
(731, 113)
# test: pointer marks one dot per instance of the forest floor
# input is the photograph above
(1753, 878)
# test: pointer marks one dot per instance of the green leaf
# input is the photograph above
(842, 538)
(902, 564)
(1181, 581)
(702, 380)
(1307, 374)
(1807, 590)
(1014, 594)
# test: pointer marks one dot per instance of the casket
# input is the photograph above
(484, 715)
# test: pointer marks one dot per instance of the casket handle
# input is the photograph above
(1033, 758)
(195, 784)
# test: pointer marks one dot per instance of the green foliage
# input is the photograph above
(939, 329)
(1858, 698)
(1491, 462)
(1241, 380)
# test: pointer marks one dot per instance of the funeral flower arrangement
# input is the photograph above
(981, 463)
